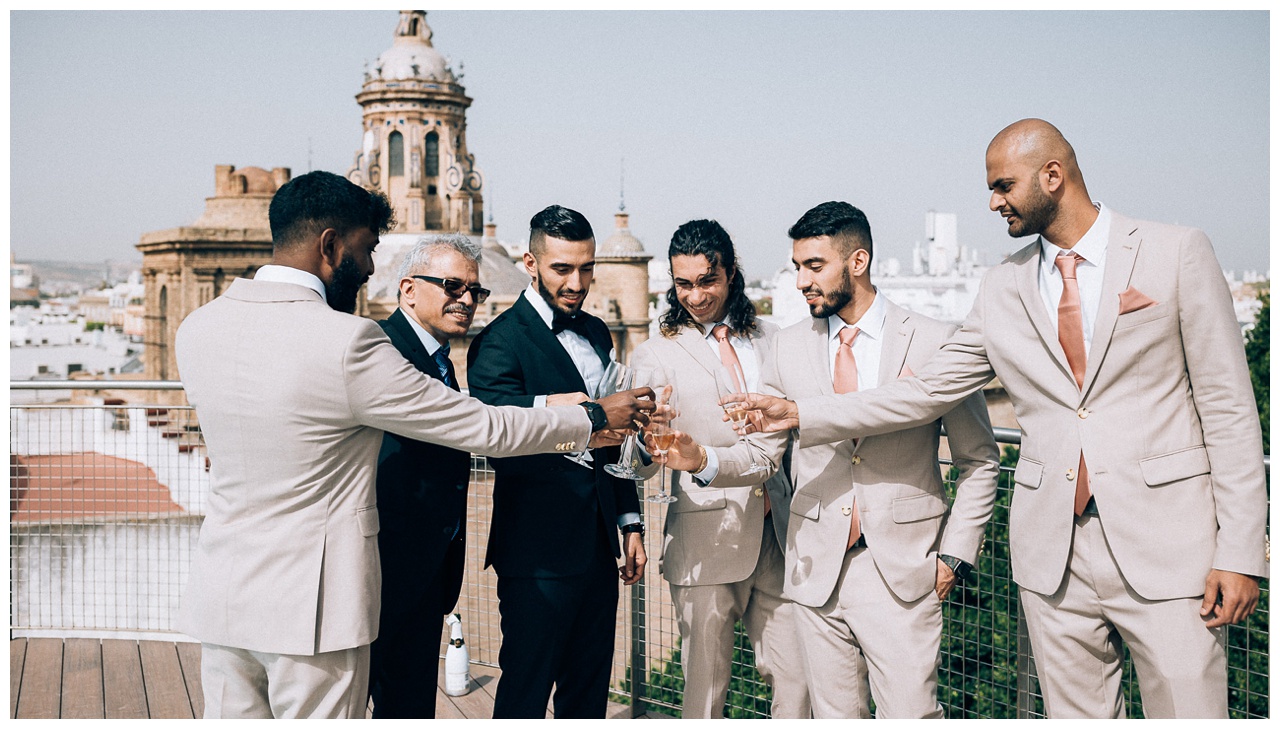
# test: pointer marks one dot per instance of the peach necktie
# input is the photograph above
(845, 379)
(1071, 337)
(729, 358)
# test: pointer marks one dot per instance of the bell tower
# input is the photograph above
(414, 148)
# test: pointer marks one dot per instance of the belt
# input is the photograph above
(861, 543)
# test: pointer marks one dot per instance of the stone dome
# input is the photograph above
(412, 55)
(622, 244)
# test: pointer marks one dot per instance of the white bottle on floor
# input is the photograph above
(457, 660)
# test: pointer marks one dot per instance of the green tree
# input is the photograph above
(1257, 350)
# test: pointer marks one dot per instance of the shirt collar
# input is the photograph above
(539, 304)
(1092, 246)
(871, 323)
(276, 273)
(428, 342)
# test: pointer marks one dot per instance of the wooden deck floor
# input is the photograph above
(80, 678)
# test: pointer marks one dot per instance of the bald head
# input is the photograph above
(1034, 143)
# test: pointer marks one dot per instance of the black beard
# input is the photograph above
(1037, 215)
(548, 297)
(834, 301)
(342, 291)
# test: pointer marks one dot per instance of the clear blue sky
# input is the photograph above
(118, 118)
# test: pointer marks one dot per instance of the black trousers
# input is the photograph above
(404, 663)
(558, 631)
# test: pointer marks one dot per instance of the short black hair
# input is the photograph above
(557, 222)
(846, 225)
(308, 204)
(708, 238)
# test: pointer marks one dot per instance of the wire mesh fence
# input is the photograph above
(106, 500)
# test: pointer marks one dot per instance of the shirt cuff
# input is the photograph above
(708, 472)
(630, 517)
(539, 401)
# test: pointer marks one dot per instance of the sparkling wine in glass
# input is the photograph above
(661, 430)
(627, 460)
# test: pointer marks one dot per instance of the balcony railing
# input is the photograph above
(107, 497)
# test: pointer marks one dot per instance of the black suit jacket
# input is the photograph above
(422, 498)
(547, 510)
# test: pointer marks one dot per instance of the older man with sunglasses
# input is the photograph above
(422, 488)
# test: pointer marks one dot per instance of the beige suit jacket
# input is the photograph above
(293, 398)
(894, 478)
(712, 534)
(1166, 418)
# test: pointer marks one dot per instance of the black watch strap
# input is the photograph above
(958, 566)
(595, 411)
(633, 528)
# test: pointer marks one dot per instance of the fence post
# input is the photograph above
(1026, 669)
(638, 661)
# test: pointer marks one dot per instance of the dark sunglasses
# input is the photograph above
(455, 288)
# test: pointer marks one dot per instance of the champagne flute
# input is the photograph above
(627, 461)
(616, 377)
(731, 387)
(661, 430)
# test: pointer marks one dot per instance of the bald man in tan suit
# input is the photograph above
(1140, 505)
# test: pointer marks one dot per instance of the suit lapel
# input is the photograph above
(695, 343)
(542, 338)
(407, 341)
(896, 337)
(1122, 252)
(1028, 278)
(819, 354)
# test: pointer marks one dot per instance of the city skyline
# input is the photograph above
(117, 119)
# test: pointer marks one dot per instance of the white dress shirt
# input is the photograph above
(1092, 247)
(867, 345)
(428, 342)
(276, 273)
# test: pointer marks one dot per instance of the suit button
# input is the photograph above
(856, 460)
(846, 510)
(1082, 413)
(447, 531)
(759, 492)
(1071, 474)
(461, 486)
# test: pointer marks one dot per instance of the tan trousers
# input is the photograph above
(1076, 636)
(706, 615)
(241, 684)
(865, 631)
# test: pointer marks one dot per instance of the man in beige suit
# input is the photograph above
(871, 551)
(722, 548)
(1140, 504)
(293, 395)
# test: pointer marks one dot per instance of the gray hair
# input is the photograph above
(419, 257)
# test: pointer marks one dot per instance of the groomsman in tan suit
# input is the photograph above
(871, 550)
(1140, 505)
(293, 395)
(722, 552)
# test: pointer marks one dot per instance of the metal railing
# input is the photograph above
(106, 500)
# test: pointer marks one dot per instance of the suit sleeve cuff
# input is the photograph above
(630, 517)
(540, 401)
(708, 472)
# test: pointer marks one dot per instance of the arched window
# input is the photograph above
(395, 155)
(431, 166)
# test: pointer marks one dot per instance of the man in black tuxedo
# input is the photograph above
(422, 488)
(553, 541)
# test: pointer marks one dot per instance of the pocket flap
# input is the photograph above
(1028, 473)
(916, 508)
(705, 499)
(806, 505)
(367, 518)
(1175, 466)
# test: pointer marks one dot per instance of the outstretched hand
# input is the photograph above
(770, 414)
(629, 409)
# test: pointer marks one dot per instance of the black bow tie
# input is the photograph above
(561, 321)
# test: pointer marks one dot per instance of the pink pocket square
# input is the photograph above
(1132, 299)
(906, 372)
